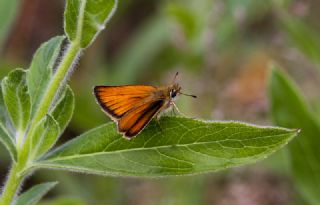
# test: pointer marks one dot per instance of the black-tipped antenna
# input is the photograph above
(188, 95)
(175, 77)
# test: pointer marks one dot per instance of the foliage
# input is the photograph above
(182, 146)
(290, 109)
(33, 195)
(36, 106)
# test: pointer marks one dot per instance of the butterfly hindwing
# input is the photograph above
(135, 120)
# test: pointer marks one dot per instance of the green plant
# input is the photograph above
(304, 157)
(289, 108)
(36, 105)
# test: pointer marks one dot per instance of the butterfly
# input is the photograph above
(132, 107)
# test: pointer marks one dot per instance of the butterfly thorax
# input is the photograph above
(168, 93)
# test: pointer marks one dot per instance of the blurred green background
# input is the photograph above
(221, 48)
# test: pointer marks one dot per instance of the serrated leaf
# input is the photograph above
(41, 69)
(17, 99)
(45, 135)
(290, 109)
(182, 146)
(84, 19)
(63, 110)
(34, 194)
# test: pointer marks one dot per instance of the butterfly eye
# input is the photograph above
(173, 93)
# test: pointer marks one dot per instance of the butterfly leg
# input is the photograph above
(173, 112)
(157, 119)
(177, 109)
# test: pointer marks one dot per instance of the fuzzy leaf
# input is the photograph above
(41, 69)
(5, 137)
(45, 136)
(3, 111)
(8, 142)
(63, 110)
(34, 194)
(17, 99)
(290, 109)
(182, 146)
(84, 19)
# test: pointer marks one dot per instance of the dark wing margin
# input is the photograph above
(97, 92)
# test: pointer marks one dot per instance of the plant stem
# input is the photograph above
(62, 71)
(15, 178)
(57, 81)
(12, 184)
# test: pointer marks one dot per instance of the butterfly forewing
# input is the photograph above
(132, 106)
(118, 100)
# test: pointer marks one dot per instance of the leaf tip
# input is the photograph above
(54, 183)
(51, 185)
(298, 130)
(274, 68)
(294, 133)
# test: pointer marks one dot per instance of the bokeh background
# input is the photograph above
(222, 50)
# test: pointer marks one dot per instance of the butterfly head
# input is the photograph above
(174, 90)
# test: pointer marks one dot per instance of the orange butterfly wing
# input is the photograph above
(133, 106)
(118, 100)
(135, 120)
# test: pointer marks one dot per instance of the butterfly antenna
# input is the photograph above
(175, 77)
(194, 96)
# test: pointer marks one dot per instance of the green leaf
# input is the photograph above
(5, 138)
(41, 69)
(290, 109)
(63, 110)
(34, 194)
(8, 142)
(182, 146)
(63, 201)
(8, 10)
(45, 135)
(304, 38)
(3, 111)
(84, 19)
(17, 99)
